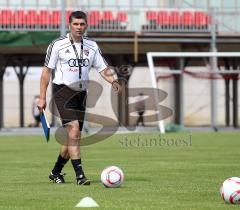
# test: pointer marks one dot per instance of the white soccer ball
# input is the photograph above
(112, 176)
(230, 190)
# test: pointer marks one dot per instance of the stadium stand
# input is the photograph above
(160, 21)
(177, 20)
(51, 19)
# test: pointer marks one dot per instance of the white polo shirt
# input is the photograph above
(61, 57)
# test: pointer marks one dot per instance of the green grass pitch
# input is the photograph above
(183, 176)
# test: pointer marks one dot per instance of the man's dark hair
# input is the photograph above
(77, 15)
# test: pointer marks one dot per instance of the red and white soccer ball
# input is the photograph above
(230, 190)
(112, 176)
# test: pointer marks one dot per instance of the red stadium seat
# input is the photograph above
(201, 19)
(19, 17)
(31, 18)
(108, 21)
(6, 17)
(0, 17)
(187, 18)
(122, 20)
(151, 15)
(94, 18)
(122, 17)
(67, 15)
(163, 18)
(56, 18)
(175, 18)
(108, 16)
(44, 18)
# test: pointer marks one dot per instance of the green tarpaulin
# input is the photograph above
(26, 39)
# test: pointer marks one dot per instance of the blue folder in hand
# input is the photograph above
(45, 125)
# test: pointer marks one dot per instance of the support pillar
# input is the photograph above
(227, 94)
(235, 95)
(235, 103)
(178, 95)
(214, 67)
(2, 71)
(21, 74)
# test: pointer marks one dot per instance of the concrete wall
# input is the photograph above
(196, 97)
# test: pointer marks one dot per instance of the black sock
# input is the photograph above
(77, 165)
(59, 165)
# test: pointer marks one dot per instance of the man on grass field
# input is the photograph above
(71, 57)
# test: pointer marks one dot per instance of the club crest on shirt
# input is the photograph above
(86, 52)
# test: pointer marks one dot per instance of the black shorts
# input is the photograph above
(71, 104)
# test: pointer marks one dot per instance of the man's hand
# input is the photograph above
(41, 104)
(116, 86)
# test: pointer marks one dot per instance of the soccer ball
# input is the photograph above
(112, 177)
(230, 190)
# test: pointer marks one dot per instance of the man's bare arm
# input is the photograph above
(44, 81)
(111, 77)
